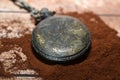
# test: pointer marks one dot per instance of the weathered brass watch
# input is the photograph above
(57, 38)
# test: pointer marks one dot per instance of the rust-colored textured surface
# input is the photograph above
(18, 57)
(102, 62)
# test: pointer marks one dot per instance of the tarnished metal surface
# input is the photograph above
(60, 36)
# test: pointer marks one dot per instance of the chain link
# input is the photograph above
(38, 15)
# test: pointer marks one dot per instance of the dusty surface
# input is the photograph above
(17, 56)
(103, 59)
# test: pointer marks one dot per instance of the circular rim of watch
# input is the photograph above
(63, 58)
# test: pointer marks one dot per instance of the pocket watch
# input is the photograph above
(57, 38)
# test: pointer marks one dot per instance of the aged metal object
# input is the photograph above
(58, 38)
(61, 38)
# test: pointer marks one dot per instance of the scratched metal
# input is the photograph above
(60, 36)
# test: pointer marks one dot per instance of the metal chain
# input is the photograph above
(38, 15)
